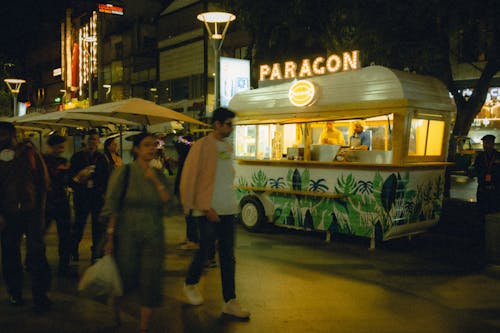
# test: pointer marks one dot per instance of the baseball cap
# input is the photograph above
(55, 139)
(488, 137)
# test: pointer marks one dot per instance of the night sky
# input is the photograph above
(26, 23)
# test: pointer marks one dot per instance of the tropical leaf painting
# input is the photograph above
(259, 179)
(318, 185)
(277, 182)
(387, 199)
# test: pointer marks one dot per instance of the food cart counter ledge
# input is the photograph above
(360, 152)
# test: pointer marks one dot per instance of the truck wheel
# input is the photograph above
(252, 213)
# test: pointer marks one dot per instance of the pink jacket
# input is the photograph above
(198, 175)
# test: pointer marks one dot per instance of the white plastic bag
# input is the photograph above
(101, 279)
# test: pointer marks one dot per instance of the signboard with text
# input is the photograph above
(110, 9)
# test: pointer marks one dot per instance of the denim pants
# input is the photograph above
(222, 231)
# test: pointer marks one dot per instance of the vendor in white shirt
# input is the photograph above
(331, 135)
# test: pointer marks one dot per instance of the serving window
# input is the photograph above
(426, 137)
(288, 140)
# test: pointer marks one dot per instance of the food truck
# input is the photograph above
(391, 187)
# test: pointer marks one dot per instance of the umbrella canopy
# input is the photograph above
(140, 111)
(54, 120)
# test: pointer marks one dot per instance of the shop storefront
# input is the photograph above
(385, 183)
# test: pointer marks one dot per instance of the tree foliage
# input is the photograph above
(427, 37)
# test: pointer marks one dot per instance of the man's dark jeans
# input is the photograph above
(30, 224)
(192, 233)
(222, 231)
(85, 203)
(60, 212)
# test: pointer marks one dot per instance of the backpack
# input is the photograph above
(23, 181)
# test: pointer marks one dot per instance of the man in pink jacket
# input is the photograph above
(207, 194)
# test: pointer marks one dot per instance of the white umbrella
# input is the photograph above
(139, 111)
(68, 119)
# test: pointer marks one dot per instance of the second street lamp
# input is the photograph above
(216, 24)
(14, 87)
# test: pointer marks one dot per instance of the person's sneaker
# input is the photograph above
(193, 294)
(233, 308)
(16, 300)
(189, 246)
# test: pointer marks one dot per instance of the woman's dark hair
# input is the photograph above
(107, 143)
(136, 141)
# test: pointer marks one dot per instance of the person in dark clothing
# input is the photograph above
(487, 166)
(111, 154)
(88, 174)
(58, 207)
(23, 190)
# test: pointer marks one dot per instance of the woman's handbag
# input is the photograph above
(101, 279)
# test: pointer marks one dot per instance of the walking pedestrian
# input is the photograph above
(89, 177)
(207, 194)
(23, 191)
(135, 202)
(487, 166)
(58, 207)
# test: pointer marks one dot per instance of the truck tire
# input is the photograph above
(252, 213)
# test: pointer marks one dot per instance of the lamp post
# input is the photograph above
(214, 22)
(14, 87)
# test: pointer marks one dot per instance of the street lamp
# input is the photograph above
(214, 22)
(14, 87)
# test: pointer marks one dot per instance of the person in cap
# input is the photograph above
(487, 167)
(58, 207)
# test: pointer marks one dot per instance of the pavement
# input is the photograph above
(294, 281)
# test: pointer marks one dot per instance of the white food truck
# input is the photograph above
(390, 188)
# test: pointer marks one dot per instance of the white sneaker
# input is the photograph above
(193, 294)
(234, 308)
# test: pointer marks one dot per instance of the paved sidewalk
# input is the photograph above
(295, 282)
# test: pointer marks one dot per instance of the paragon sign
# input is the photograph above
(308, 68)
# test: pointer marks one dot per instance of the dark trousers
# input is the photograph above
(488, 199)
(60, 212)
(192, 233)
(86, 203)
(222, 231)
(30, 224)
